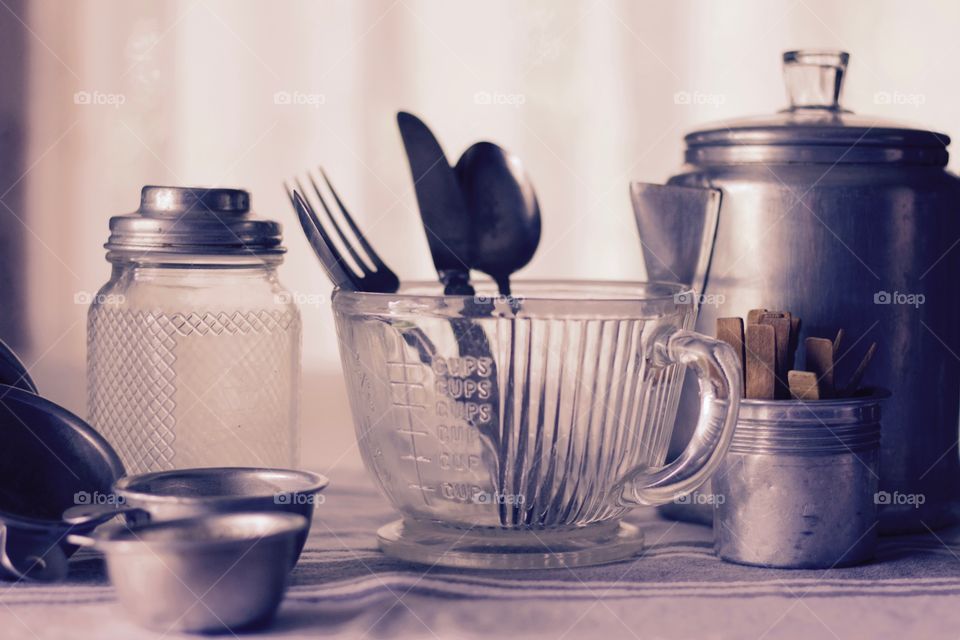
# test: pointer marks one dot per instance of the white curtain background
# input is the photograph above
(582, 91)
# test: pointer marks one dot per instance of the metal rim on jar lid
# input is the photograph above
(194, 220)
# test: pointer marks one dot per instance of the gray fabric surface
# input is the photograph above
(343, 586)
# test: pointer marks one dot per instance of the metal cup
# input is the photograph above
(798, 487)
(192, 493)
(216, 573)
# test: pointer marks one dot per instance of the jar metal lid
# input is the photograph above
(815, 128)
(194, 220)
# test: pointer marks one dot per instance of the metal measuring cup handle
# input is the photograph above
(718, 372)
(93, 515)
(29, 557)
(83, 518)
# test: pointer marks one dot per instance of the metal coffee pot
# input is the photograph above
(846, 221)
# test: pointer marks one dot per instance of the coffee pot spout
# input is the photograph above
(677, 227)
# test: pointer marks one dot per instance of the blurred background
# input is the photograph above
(100, 97)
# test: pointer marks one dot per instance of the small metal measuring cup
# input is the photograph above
(188, 493)
(219, 572)
(798, 486)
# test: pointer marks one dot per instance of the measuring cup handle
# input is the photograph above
(27, 556)
(80, 540)
(721, 385)
(96, 514)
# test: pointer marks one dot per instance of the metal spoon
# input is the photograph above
(505, 225)
(503, 208)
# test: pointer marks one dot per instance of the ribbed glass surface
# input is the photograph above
(507, 422)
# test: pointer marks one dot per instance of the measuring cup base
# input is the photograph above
(502, 549)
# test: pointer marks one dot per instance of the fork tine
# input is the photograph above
(332, 262)
(338, 271)
(353, 226)
(314, 220)
(378, 279)
(343, 238)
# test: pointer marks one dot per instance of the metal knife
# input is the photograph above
(443, 211)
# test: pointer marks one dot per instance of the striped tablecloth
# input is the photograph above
(343, 586)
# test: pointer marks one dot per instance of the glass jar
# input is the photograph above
(193, 346)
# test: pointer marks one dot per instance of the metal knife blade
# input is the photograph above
(443, 211)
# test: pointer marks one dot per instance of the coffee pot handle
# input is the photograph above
(721, 385)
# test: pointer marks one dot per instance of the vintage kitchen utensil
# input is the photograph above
(754, 315)
(30, 552)
(837, 342)
(761, 348)
(336, 269)
(216, 573)
(819, 191)
(596, 378)
(446, 219)
(781, 337)
(803, 385)
(819, 359)
(50, 459)
(794, 341)
(355, 278)
(13, 372)
(187, 493)
(854, 384)
(193, 353)
(822, 357)
(799, 484)
(798, 385)
(368, 272)
(730, 330)
(504, 212)
(677, 227)
(505, 229)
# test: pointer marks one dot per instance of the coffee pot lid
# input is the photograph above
(815, 127)
(194, 220)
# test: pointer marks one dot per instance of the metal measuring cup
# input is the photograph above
(189, 493)
(218, 572)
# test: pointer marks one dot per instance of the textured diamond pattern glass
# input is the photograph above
(194, 389)
(191, 367)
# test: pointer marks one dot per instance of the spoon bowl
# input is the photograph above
(505, 214)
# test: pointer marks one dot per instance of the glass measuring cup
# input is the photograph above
(516, 432)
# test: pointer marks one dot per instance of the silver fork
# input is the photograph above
(378, 279)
